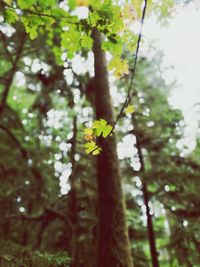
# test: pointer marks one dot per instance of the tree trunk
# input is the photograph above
(73, 212)
(113, 249)
(151, 234)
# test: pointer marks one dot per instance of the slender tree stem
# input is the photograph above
(151, 234)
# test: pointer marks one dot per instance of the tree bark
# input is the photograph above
(113, 249)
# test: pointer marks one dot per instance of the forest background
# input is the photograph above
(91, 171)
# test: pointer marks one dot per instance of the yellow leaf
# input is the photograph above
(82, 2)
(120, 67)
(89, 137)
(88, 131)
(92, 147)
(129, 13)
(8, 2)
(129, 109)
(89, 134)
(96, 151)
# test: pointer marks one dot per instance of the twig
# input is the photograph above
(5, 45)
(11, 76)
(40, 14)
(127, 100)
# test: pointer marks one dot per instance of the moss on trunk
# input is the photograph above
(114, 247)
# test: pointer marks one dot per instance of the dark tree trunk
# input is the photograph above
(113, 249)
(25, 226)
(40, 234)
(151, 235)
(73, 212)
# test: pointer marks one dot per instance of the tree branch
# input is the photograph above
(16, 141)
(5, 45)
(11, 76)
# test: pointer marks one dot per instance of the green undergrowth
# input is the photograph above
(12, 255)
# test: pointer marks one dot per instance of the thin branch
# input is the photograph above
(127, 100)
(5, 45)
(183, 213)
(16, 141)
(24, 153)
(40, 14)
(48, 213)
(11, 76)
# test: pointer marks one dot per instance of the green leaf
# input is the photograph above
(25, 4)
(86, 41)
(33, 22)
(45, 4)
(101, 127)
(72, 4)
(31, 26)
(107, 130)
(11, 16)
(71, 40)
(94, 17)
(114, 48)
(89, 146)
(57, 53)
(92, 147)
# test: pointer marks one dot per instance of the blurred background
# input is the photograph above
(48, 188)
